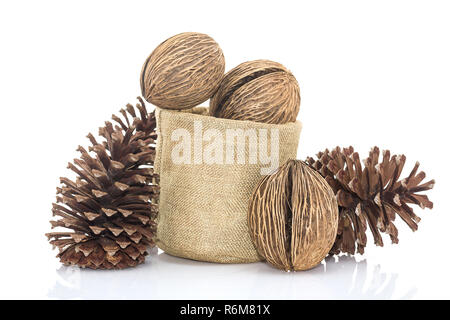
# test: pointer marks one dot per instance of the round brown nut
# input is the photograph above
(183, 71)
(293, 217)
(260, 90)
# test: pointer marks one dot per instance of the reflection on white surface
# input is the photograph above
(167, 277)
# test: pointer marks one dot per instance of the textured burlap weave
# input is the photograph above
(203, 207)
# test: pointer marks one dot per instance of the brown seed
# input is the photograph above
(183, 71)
(293, 217)
(260, 90)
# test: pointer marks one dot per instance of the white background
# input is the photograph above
(371, 73)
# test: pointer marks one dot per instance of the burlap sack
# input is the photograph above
(203, 204)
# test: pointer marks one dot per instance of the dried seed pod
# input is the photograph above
(260, 90)
(293, 217)
(183, 71)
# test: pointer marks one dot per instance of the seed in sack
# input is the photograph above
(260, 90)
(183, 71)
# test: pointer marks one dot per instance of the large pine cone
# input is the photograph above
(112, 205)
(372, 195)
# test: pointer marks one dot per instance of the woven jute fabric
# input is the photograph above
(203, 206)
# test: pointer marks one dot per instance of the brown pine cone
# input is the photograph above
(371, 195)
(112, 205)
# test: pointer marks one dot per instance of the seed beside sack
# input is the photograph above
(208, 169)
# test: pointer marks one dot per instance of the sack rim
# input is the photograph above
(187, 113)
